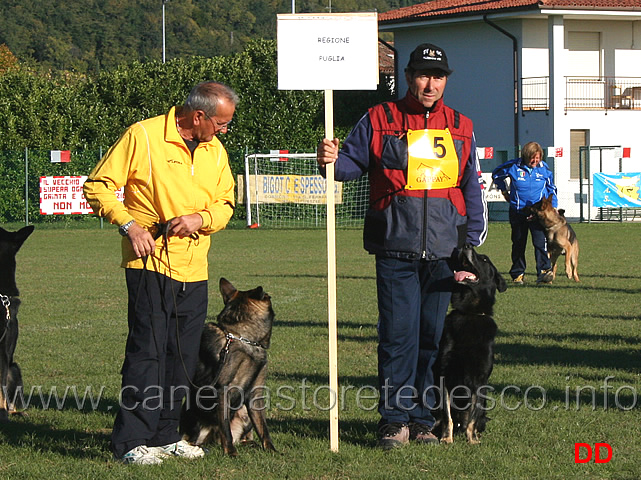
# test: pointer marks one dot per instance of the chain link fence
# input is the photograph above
(21, 171)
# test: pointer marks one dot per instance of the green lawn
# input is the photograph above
(557, 345)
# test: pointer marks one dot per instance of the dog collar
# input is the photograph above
(231, 337)
(6, 303)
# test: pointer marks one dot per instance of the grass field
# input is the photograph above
(556, 343)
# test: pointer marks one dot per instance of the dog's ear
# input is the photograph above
(257, 293)
(227, 290)
(21, 235)
(16, 238)
(501, 285)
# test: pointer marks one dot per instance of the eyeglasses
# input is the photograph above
(218, 126)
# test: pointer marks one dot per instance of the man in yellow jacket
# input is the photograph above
(179, 189)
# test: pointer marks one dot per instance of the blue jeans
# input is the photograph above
(413, 299)
(520, 227)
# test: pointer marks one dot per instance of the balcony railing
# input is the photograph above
(584, 93)
(535, 93)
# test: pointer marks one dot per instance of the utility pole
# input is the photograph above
(163, 29)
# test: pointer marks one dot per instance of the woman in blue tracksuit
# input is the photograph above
(530, 181)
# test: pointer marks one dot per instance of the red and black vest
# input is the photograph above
(406, 223)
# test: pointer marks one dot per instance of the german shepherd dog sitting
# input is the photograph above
(560, 236)
(10, 375)
(466, 352)
(226, 398)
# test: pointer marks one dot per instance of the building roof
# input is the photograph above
(449, 8)
(385, 58)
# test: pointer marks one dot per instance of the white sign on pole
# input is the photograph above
(328, 52)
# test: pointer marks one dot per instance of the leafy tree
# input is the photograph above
(8, 60)
(88, 36)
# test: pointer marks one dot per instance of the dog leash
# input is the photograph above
(6, 303)
(162, 230)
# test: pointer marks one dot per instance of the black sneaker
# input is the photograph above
(393, 435)
(546, 276)
(421, 433)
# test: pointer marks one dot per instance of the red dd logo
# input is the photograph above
(586, 448)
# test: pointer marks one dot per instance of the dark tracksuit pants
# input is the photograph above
(157, 370)
(520, 227)
(413, 299)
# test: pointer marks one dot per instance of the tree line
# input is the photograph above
(88, 36)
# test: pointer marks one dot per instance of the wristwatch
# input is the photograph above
(124, 229)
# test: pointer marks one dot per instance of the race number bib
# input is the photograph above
(432, 161)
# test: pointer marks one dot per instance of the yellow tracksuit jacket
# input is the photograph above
(162, 182)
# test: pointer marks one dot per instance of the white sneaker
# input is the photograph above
(142, 455)
(181, 449)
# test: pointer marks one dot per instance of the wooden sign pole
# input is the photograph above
(331, 281)
(329, 52)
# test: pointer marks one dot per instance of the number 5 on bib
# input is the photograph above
(432, 162)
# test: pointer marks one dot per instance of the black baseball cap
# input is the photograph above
(428, 56)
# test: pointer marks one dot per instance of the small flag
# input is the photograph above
(60, 156)
(275, 158)
(485, 153)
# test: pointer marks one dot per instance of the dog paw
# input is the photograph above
(269, 446)
(230, 451)
(447, 440)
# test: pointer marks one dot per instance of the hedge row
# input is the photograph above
(86, 115)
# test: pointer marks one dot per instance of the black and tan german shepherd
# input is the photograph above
(466, 352)
(10, 375)
(560, 237)
(227, 396)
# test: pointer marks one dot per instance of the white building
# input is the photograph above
(564, 73)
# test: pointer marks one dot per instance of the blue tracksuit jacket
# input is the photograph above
(527, 185)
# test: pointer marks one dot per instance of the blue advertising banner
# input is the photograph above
(617, 189)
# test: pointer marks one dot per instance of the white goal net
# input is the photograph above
(285, 190)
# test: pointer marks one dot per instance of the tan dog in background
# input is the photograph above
(560, 236)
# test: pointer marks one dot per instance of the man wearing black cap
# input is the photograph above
(425, 203)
